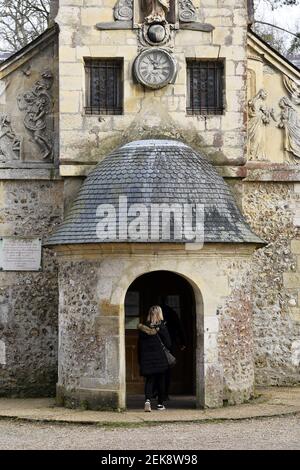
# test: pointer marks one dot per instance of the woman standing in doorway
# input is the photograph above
(152, 358)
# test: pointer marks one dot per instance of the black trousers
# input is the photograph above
(157, 382)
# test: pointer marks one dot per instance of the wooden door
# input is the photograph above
(134, 382)
(149, 290)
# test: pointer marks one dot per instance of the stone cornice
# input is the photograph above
(252, 171)
(95, 251)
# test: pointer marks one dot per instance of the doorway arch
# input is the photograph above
(173, 289)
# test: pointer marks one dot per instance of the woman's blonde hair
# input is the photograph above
(155, 314)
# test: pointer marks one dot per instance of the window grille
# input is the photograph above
(104, 86)
(205, 82)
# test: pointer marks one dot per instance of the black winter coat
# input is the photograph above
(152, 358)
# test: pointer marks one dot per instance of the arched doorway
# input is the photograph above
(160, 287)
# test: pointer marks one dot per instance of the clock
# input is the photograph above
(155, 68)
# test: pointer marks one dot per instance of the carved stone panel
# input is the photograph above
(290, 123)
(137, 14)
(37, 104)
(155, 11)
(155, 35)
(260, 116)
(123, 10)
(187, 11)
(292, 88)
(10, 144)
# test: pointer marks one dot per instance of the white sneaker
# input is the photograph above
(161, 407)
(147, 406)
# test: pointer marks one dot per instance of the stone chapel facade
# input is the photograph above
(175, 101)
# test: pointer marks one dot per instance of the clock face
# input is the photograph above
(155, 68)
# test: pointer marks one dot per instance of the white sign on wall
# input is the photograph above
(20, 254)
(2, 353)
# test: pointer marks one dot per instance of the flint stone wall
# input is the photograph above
(271, 210)
(236, 346)
(29, 300)
(91, 318)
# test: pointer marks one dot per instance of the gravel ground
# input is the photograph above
(268, 433)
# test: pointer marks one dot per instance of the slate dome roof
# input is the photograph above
(154, 172)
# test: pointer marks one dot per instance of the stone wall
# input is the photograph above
(88, 337)
(32, 199)
(270, 209)
(86, 139)
(236, 346)
(270, 202)
(93, 282)
(29, 300)
(31, 205)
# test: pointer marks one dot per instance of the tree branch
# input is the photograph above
(277, 27)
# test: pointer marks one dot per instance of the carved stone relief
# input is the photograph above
(155, 22)
(259, 117)
(288, 120)
(37, 105)
(10, 144)
(187, 11)
(155, 11)
(155, 34)
(135, 14)
(123, 10)
(292, 88)
(290, 123)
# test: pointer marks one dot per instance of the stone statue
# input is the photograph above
(290, 122)
(37, 104)
(156, 11)
(259, 117)
(10, 144)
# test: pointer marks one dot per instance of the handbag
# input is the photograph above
(169, 356)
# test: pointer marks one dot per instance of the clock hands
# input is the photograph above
(156, 65)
